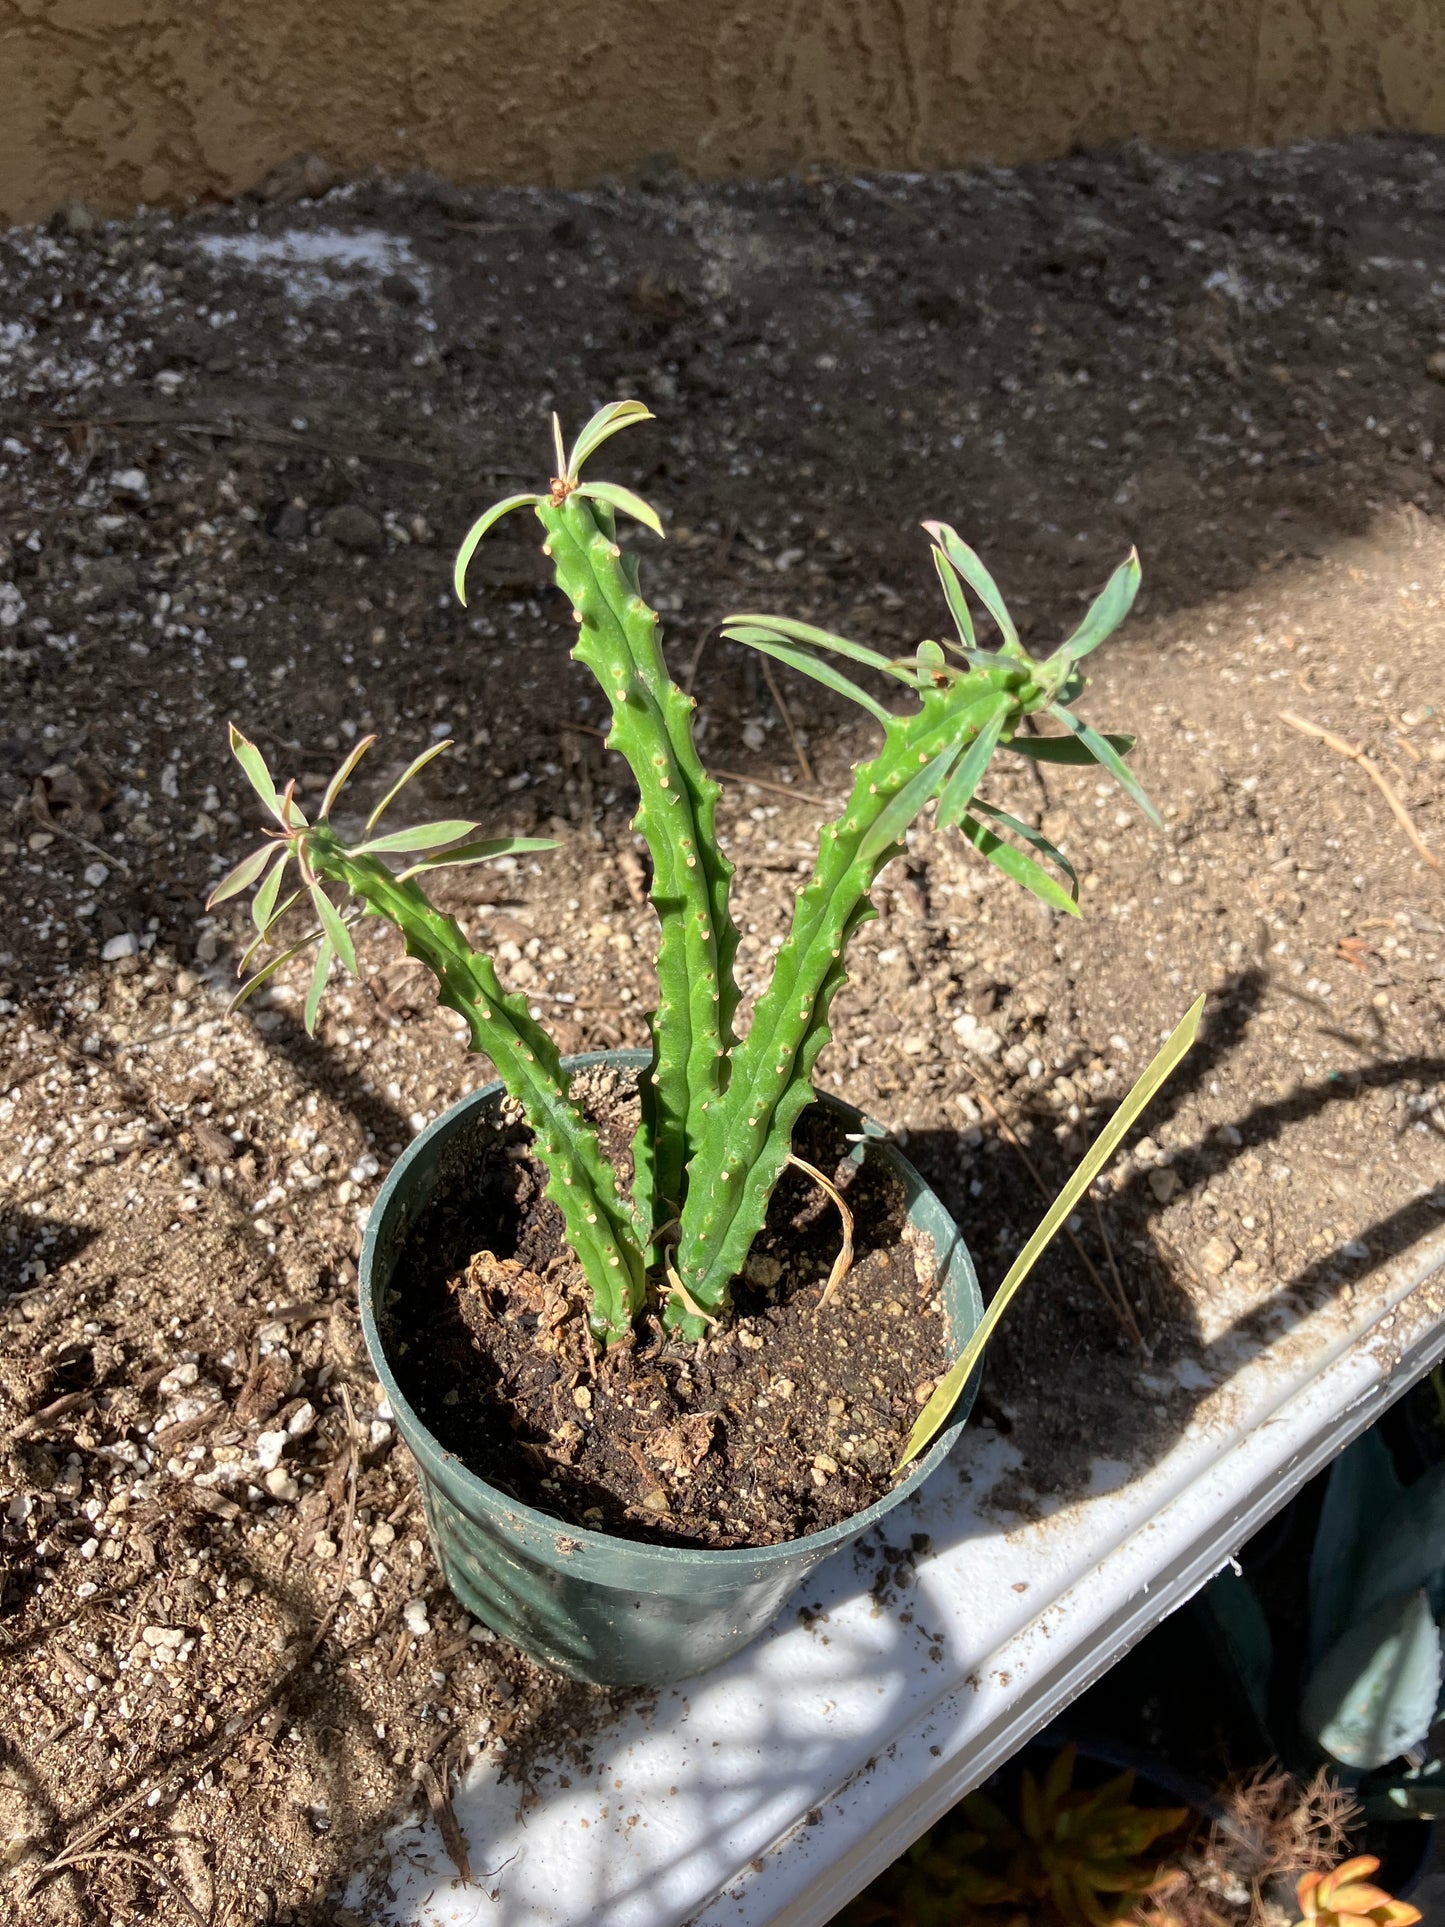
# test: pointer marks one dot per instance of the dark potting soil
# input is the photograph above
(787, 1421)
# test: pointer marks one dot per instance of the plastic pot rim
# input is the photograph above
(585, 1545)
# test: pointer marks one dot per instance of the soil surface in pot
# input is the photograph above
(787, 1421)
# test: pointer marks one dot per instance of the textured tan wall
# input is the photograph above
(126, 100)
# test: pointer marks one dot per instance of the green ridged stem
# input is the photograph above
(743, 1152)
(581, 1183)
(652, 729)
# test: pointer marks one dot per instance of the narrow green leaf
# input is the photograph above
(257, 774)
(957, 601)
(1103, 752)
(900, 810)
(606, 422)
(935, 1413)
(1107, 610)
(1036, 839)
(931, 664)
(263, 906)
(422, 836)
(413, 768)
(811, 665)
(263, 942)
(269, 970)
(958, 791)
(623, 499)
(475, 533)
(334, 787)
(1018, 867)
(971, 568)
(335, 928)
(243, 876)
(1064, 749)
(318, 984)
(818, 639)
(478, 853)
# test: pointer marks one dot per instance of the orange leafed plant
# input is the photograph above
(1346, 1898)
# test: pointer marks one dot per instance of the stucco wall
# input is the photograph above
(126, 100)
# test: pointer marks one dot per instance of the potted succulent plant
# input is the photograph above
(628, 1457)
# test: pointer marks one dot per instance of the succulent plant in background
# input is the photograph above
(1347, 1898)
(1068, 1857)
(1370, 1697)
(718, 1110)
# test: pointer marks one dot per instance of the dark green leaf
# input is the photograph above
(958, 792)
(901, 810)
(335, 928)
(1103, 753)
(243, 876)
(811, 665)
(971, 568)
(1107, 610)
(1014, 864)
(1064, 749)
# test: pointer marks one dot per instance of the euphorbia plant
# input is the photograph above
(718, 1111)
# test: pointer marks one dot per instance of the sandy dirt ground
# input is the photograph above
(236, 450)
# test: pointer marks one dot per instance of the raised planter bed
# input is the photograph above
(774, 1789)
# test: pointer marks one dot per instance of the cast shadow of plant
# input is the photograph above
(1062, 1382)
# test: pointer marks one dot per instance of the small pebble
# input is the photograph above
(281, 1485)
(414, 1618)
(127, 944)
(1215, 1258)
(269, 1447)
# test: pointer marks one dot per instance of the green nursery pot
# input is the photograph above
(600, 1608)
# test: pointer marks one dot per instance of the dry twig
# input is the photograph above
(439, 1799)
(1372, 769)
(788, 724)
(843, 1263)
